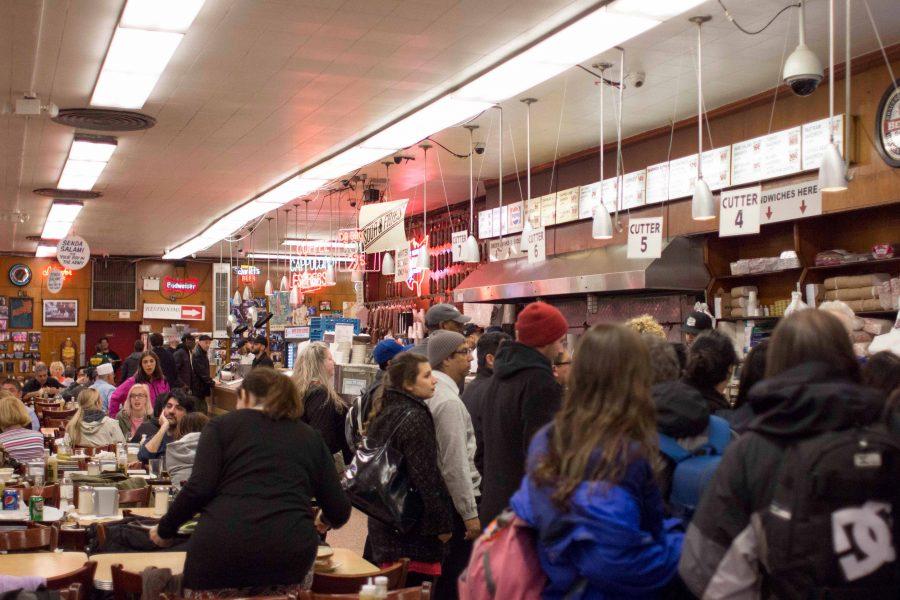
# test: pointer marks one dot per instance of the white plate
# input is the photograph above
(51, 514)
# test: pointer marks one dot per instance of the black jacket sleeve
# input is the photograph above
(327, 488)
(539, 405)
(201, 487)
(203, 383)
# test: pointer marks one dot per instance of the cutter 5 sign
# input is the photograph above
(175, 312)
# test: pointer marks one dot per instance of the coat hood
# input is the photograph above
(514, 357)
(809, 399)
(185, 448)
(681, 410)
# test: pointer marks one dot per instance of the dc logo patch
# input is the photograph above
(691, 321)
(862, 539)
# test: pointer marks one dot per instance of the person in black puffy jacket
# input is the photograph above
(323, 409)
(812, 386)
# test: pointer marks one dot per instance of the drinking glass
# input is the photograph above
(156, 467)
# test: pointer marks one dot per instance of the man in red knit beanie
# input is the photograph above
(522, 397)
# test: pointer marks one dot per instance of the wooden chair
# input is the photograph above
(413, 593)
(73, 592)
(36, 537)
(134, 498)
(83, 576)
(328, 583)
(50, 493)
(126, 585)
(61, 415)
(41, 406)
(55, 423)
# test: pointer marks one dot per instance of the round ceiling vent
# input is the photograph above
(73, 194)
(104, 119)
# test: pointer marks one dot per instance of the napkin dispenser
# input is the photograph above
(106, 501)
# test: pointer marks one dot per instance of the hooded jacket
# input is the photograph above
(167, 365)
(612, 542)
(682, 413)
(798, 404)
(101, 432)
(180, 457)
(524, 397)
(130, 365)
(474, 399)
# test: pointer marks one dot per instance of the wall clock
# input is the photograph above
(887, 125)
(19, 275)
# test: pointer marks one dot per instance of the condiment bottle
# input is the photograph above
(368, 592)
(381, 587)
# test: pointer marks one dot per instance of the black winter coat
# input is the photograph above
(130, 365)
(416, 440)
(798, 404)
(202, 383)
(167, 364)
(524, 396)
(474, 398)
(321, 414)
(184, 368)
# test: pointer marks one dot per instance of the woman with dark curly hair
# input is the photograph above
(709, 362)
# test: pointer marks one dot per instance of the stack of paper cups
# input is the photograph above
(752, 307)
(358, 354)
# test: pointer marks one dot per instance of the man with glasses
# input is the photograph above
(441, 317)
(449, 355)
(562, 364)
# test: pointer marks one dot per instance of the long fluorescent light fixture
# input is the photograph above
(270, 256)
(60, 219)
(147, 36)
(87, 158)
(589, 36)
(320, 244)
(45, 250)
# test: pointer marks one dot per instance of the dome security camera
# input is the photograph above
(479, 147)
(803, 70)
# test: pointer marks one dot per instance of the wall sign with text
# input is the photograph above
(645, 238)
(887, 125)
(739, 211)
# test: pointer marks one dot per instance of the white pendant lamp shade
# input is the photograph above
(294, 298)
(237, 297)
(252, 314)
(247, 293)
(269, 287)
(832, 172)
(523, 246)
(387, 264)
(232, 320)
(424, 258)
(356, 275)
(471, 252)
(703, 205)
(329, 274)
(602, 227)
(283, 286)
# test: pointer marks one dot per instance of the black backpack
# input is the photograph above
(832, 528)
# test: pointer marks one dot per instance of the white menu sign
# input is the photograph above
(682, 173)
(657, 187)
(495, 222)
(504, 249)
(567, 205)
(588, 199)
(533, 211)
(401, 265)
(633, 189)
(485, 226)
(457, 239)
(816, 139)
(645, 238)
(548, 210)
(611, 194)
(537, 245)
(766, 157)
(515, 216)
(717, 168)
(739, 211)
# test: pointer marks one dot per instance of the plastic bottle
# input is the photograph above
(121, 459)
(381, 587)
(368, 592)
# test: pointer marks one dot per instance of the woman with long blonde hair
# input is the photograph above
(90, 427)
(590, 488)
(137, 410)
(323, 408)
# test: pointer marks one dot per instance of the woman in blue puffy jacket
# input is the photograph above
(590, 489)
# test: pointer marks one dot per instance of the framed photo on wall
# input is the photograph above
(325, 306)
(60, 313)
(21, 312)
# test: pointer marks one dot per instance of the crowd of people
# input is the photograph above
(626, 456)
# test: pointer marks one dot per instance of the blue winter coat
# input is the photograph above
(612, 543)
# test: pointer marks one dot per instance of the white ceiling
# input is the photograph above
(260, 88)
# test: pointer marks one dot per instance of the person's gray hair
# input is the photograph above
(40, 367)
(664, 364)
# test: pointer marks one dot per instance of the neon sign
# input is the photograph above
(247, 274)
(66, 273)
(309, 281)
(172, 285)
(416, 272)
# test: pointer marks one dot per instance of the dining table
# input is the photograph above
(347, 562)
(135, 562)
(20, 515)
(45, 564)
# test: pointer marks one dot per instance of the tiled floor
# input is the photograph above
(352, 535)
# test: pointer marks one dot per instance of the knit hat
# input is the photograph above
(385, 350)
(540, 324)
(442, 344)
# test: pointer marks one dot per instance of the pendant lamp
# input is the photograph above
(601, 227)
(470, 250)
(268, 286)
(329, 274)
(387, 264)
(237, 298)
(832, 171)
(293, 299)
(252, 314)
(527, 228)
(357, 275)
(424, 256)
(283, 286)
(703, 205)
(247, 293)
(269, 289)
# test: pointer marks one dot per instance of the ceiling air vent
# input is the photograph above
(103, 119)
(68, 194)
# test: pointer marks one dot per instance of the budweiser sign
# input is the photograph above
(172, 285)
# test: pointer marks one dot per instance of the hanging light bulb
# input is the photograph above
(252, 314)
(602, 227)
(523, 245)
(356, 275)
(471, 252)
(832, 171)
(269, 289)
(703, 206)
(387, 264)
(329, 274)
(283, 286)
(247, 293)
(237, 298)
(294, 298)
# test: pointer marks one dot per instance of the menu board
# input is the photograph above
(567, 205)
(657, 187)
(485, 225)
(717, 168)
(495, 222)
(504, 249)
(515, 218)
(815, 139)
(766, 157)
(633, 189)
(611, 194)
(682, 174)
(533, 211)
(548, 210)
(588, 198)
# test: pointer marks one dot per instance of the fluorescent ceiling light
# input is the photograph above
(45, 250)
(346, 161)
(319, 244)
(659, 10)
(56, 230)
(433, 118)
(167, 15)
(311, 258)
(64, 211)
(99, 150)
(80, 174)
(289, 190)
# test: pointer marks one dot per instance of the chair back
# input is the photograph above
(54, 423)
(63, 415)
(126, 585)
(50, 493)
(36, 537)
(73, 592)
(135, 497)
(84, 576)
(40, 406)
(92, 450)
(329, 583)
(413, 593)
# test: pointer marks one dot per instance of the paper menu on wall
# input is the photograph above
(815, 139)
(633, 189)
(533, 211)
(657, 185)
(503, 220)
(495, 222)
(717, 168)
(485, 224)
(548, 210)
(515, 214)
(588, 199)
(567, 205)
(682, 174)
(611, 194)
(766, 157)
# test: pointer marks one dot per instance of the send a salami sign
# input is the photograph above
(175, 312)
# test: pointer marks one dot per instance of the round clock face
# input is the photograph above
(887, 126)
(20, 275)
